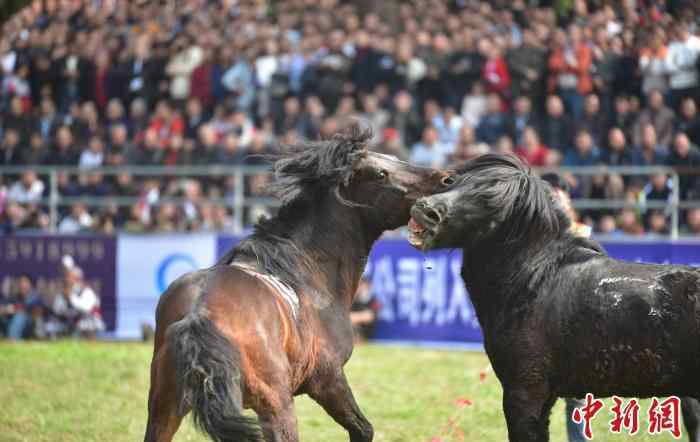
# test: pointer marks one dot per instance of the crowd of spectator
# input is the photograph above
(92, 83)
(49, 309)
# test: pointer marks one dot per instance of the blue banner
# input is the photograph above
(40, 256)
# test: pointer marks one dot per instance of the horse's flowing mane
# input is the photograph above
(302, 170)
(302, 173)
(532, 235)
(509, 193)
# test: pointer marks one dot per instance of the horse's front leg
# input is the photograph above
(691, 418)
(333, 393)
(527, 411)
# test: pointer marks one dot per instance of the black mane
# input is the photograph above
(302, 174)
(303, 170)
(533, 233)
(509, 193)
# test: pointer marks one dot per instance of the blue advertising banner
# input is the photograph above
(224, 244)
(422, 295)
(40, 256)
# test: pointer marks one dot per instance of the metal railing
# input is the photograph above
(674, 205)
(240, 200)
(55, 200)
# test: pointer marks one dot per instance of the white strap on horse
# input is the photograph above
(283, 290)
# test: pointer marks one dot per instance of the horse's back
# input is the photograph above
(619, 316)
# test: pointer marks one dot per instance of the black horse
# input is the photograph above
(271, 319)
(559, 317)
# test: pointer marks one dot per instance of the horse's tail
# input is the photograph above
(209, 380)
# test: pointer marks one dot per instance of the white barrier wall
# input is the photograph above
(146, 266)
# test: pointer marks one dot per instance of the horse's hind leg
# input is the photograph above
(163, 416)
(691, 418)
(279, 424)
(335, 396)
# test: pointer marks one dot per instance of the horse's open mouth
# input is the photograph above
(419, 235)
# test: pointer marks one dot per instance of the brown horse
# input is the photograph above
(271, 319)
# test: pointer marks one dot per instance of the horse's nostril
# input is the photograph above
(447, 180)
(432, 214)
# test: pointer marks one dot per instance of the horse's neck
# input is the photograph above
(339, 243)
(498, 275)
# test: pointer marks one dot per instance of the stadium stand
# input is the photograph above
(93, 84)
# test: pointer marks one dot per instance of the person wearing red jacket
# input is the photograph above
(532, 151)
(570, 69)
(494, 73)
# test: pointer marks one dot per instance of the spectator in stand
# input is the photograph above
(93, 156)
(187, 55)
(650, 152)
(556, 128)
(69, 88)
(629, 223)
(391, 145)
(25, 311)
(622, 117)
(685, 157)
(607, 53)
(36, 153)
(570, 65)
(689, 120)
(76, 309)
(29, 189)
(474, 105)
(64, 153)
(312, 118)
(467, 147)
(120, 151)
(238, 81)
(657, 223)
(377, 117)
(430, 152)
(617, 152)
(593, 119)
(166, 123)
(464, 66)
(659, 116)
(652, 62)
(608, 226)
(230, 152)
(585, 152)
(405, 119)
(532, 151)
(660, 188)
(11, 151)
(527, 66)
(448, 125)
(521, 117)
(682, 64)
(194, 117)
(77, 221)
(17, 119)
(494, 123)
(494, 74)
(692, 224)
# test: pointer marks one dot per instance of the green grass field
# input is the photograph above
(79, 391)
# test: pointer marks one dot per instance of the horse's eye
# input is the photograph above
(381, 174)
(447, 180)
